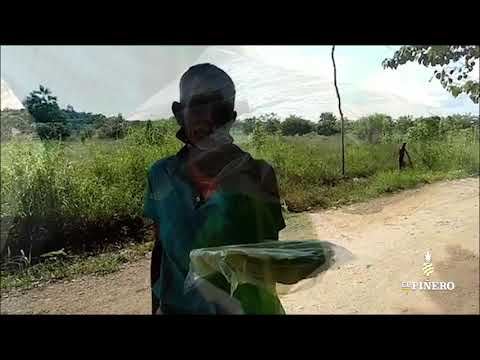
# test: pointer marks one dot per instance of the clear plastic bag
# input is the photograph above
(265, 265)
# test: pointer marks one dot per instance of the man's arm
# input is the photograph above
(150, 212)
(274, 221)
(155, 269)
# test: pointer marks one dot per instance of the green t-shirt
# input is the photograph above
(244, 209)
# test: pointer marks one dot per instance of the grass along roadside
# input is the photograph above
(299, 227)
(356, 190)
(70, 267)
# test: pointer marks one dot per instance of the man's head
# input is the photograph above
(207, 102)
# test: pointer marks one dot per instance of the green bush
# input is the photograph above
(295, 125)
(112, 128)
(52, 131)
(43, 106)
(84, 196)
(248, 125)
(308, 168)
(78, 201)
(271, 122)
(159, 133)
(13, 122)
(328, 124)
(86, 134)
(374, 128)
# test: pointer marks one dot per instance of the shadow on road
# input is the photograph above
(461, 266)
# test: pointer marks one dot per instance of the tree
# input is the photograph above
(456, 63)
(348, 124)
(342, 123)
(295, 125)
(432, 126)
(113, 128)
(259, 135)
(271, 123)
(426, 129)
(457, 122)
(43, 107)
(86, 133)
(52, 131)
(403, 123)
(327, 125)
(374, 128)
(98, 120)
(418, 133)
(249, 125)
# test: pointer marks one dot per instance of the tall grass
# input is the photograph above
(75, 195)
(309, 168)
(82, 195)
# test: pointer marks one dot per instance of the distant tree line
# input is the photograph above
(292, 125)
(375, 128)
(43, 116)
(381, 128)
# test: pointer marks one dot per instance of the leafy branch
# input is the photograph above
(456, 65)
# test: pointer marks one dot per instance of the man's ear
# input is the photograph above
(177, 112)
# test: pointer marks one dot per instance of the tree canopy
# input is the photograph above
(43, 107)
(327, 124)
(455, 64)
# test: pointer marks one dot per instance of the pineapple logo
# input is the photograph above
(427, 265)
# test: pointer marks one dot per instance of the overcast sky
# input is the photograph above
(113, 79)
(360, 65)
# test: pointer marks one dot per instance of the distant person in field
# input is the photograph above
(211, 193)
(401, 157)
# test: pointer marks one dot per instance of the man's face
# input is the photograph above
(198, 119)
(200, 116)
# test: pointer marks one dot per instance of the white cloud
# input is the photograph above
(409, 82)
(412, 83)
(284, 79)
(282, 89)
(318, 62)
(415, 82)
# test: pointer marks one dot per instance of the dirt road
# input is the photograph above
(389, 236)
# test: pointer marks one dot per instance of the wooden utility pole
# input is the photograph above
(339, 108)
